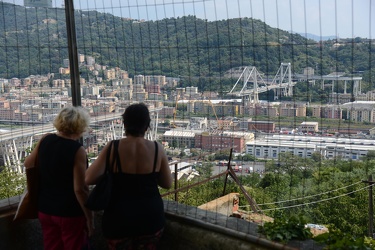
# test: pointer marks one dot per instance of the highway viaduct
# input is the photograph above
(14, 143)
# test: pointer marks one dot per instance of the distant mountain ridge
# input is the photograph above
(316, 37)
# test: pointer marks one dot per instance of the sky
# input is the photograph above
(341, 18)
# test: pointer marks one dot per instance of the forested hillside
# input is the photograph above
(35, 43)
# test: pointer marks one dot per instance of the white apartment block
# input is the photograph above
(191, 90)
(139, 79)
(179, 138)
(304, 146)
(360, 111)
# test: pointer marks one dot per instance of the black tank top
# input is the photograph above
(56, 161)
(136, 207)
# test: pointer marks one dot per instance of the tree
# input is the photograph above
(222, 155)
(11, 183)
(246, 157)
(267, 180)
(317, 157)
(205, 170)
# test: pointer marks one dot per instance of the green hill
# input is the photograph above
(33, 41)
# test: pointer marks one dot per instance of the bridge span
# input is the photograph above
(284, 81)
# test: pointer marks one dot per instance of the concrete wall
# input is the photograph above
(188, 228)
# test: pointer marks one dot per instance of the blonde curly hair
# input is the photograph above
(72, 120)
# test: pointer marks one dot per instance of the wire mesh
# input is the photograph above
(297, 110)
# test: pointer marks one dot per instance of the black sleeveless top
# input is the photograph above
(136, 207)
(56, 161)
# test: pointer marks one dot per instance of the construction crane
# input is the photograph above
(220, 125)
(173, 123)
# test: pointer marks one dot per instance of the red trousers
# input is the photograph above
(63, 233)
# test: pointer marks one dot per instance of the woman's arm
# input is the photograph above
(81, 190)
(165, 176)
(97, 168)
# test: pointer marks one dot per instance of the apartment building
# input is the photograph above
(180, 138)
(329, 111)
(191, 90)
(152, 88)
(6, 114)
(21, 116)
(139, 79)
(110, 74)
(212, 142)
(155, 96)
(52, 104)
(140, 96)
(360, 111)
(58, 83)
(166, 112)
(289, 111)
(102, 109)
(155, 80)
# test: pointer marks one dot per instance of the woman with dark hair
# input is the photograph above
(134, 218)
(66, 222)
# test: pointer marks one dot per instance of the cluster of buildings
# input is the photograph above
(109, 90)
(270, 146)
(104, 88)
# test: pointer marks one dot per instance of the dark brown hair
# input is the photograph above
(136, 119)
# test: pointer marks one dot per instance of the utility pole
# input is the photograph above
(371, 207)
(73, 54)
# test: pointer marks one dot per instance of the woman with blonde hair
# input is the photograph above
(66, 222)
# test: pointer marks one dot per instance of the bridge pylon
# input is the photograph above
(14, 151)
(283, 79)
(251, 81)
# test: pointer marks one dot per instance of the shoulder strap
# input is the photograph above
(108, 156)
(156, 155)
(116, 155)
